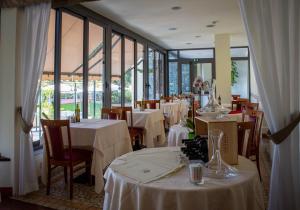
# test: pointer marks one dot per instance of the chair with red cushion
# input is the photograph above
(60, 155)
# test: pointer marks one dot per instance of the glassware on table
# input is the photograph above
(216, 167)
(196, 173)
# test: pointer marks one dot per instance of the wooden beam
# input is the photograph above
(23, 3)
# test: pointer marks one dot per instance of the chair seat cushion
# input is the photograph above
(78, 155)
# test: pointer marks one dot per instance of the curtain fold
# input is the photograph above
(33, 33)
(273, 28)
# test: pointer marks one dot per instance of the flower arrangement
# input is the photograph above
(203, 85)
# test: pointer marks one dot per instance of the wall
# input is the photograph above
(7, 92)
(223, 67)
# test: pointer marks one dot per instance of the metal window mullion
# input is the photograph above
(85, 67)
(122, 70)
(107, 69)
(135, 71)
(154, 74)
(146, 87)
(57, 63)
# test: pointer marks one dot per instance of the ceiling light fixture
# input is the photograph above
(210, 26)
(214, 22)
(176, 8)
(188, 43)
(198, 36)
(172, 29)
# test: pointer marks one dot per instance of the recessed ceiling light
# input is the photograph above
(188, 43)
(176, 8)
(214, 22)
(172, 29)
(198, 36)
(210, 25)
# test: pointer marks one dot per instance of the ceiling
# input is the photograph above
(154, 18)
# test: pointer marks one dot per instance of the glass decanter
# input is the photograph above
(216, 167)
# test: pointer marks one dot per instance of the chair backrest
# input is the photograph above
(257, 117)
(168, 98)
(249, 106)
(245, 137)
(111, 114)
(235, 97)
(53, 135)
(149, 104)
(125, 110)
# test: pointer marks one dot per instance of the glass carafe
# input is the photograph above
(216, 167)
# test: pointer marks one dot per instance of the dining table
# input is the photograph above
(108, 139)
(152, 120)
(150, 179)
(175, 110)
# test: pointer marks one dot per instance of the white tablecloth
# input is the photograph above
(152, 120)
(175, 110)
(176, 134)
(175, 192)
(109, 140)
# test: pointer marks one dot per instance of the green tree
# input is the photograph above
(234, 73)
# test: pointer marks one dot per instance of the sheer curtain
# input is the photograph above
(32, 44)
(273, 29)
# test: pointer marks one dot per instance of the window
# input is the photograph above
(157, 74)
(116, 72)
(129, 72)
(140, 72)
(240, 72)
(173, 78)
(185, 78)
(95, 70)
(162, 73)
(194, 54)
(71, 84)
(45, 103)
(151, 73)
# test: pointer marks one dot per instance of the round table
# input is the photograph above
(176, 134)
(175, 192)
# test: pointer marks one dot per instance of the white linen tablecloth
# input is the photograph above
(175, 192)
(108, 138)
(175, 110)
(176, 134)
(152, 120)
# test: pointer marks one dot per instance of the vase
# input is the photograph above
(212, 103)
(216, 167)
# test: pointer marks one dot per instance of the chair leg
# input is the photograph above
(66, 174)
(71, 182)
(48, 179)
(88, 171)
(258, 165)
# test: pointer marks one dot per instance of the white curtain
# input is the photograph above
(33, 33)
(273, 29)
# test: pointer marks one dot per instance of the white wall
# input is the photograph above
(7, 92)
(223, 67)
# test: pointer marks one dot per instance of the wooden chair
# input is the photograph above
(133, 131)
(111, 114)
(149, 104)
(58, 155)
(235, 97)
(257, 118)
(249, 106)
(238, 102)
(245, 137)
(168, 98)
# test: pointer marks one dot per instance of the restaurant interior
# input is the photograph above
(150, 105)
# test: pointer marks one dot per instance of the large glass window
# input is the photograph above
(140, 72)
(46, 92)
(240, 72)
(116, 72)
(129, 72)
(71, 84)
(173, 78)
(151, 73)
(162, 74)
(185, 78)
(95, 71)
(157, 75)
